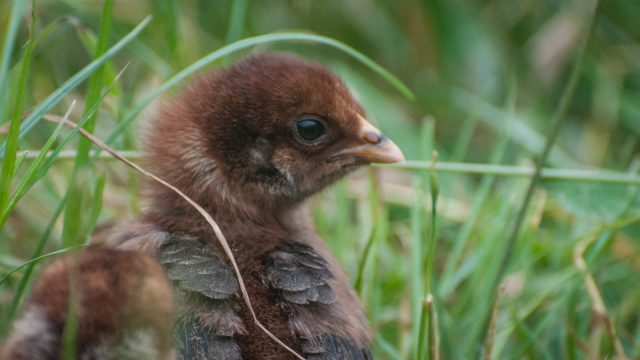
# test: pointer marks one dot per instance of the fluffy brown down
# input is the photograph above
(114, 289)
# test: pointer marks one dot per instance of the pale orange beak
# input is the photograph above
(377, 148)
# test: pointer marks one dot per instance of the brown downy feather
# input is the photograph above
(125, 306)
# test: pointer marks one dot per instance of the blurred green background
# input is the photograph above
(487, 77)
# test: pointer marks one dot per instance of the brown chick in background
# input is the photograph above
(250, 143)
(114, 320)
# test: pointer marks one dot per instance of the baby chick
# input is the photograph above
(248, 143)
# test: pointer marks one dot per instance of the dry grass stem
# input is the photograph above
(491, 332)
(601, 318)
(434, 337)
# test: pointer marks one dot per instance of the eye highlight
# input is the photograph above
(309, 129)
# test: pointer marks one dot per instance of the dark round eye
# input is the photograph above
(310, 129)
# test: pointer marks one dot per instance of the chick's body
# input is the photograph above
(250, 143)
(112, 291)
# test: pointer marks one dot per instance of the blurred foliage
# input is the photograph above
(461, 59)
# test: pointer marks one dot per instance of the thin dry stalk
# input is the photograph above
(434, 337)
(599, 312)
(491, 332)
(203, 212)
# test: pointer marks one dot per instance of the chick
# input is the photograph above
(250, 143)
(124, 309)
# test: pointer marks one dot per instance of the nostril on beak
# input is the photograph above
(373, 137)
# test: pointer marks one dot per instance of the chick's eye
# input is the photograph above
(310, 129)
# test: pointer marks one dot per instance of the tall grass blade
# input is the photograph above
(74, 220)
(70, 331)
(96, 204)
(56, 96)
(418, 215)
(428, 332)
(491, 332)
(377, 221)
(9, 161)
(33, 173)
(38, 259)
(479, 198)
(7, 51)
(40, 167)
(168, 14)
(236, 20)
(30, 265)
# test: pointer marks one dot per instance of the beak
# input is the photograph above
(376, 148)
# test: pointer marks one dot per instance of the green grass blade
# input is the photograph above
(479, 199)
(96, 204)
(368, 269)
(55, 97)
(39, 168)
(236, 22)
(54, 155)
(521, 133)
(48, 30)
(427, 339)
(167, 11)
(33, 173)
(7, 50)
(90, 42)
(359, 283)
(38, 259)
(388, 348)
(73, 216)
(418, 216)
(248, 43)
(417, 219)
(9, 161)
(376, 210)
(69, 334)
(548, 174)
(30, 265)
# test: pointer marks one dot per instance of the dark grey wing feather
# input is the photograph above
(300, 275)
(198, 342)
(329, 347)
(196, 268)
(302, 278)
(208, 323)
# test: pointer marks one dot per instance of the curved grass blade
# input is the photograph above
(7, 50)
(52, 100)
(40, 166)
(251, 42)
(8, 165)
(74, 221)
(38, 259)
(33, 173)
(30, 265)
(89, 40)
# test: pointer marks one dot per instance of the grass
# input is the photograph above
(537, 158)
